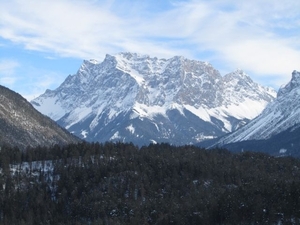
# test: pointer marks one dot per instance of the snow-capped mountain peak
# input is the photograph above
(175, 100)
(278, 116)
(293, 84)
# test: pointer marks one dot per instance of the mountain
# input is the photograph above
(21, 125)
(276, 128)
(133, 97)
(285, 143)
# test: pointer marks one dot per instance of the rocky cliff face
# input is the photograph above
(132, 97)
(21, 125)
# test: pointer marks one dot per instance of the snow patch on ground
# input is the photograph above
(130, 128)
(115, 136)
(201, 112)
(78, 115)
(153, 141)
(50, 107)
(202, 137)
(149, 111)
(247, 109)
(282, 151)
(124, 65)
(84, 133)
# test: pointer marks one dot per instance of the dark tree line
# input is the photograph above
(117, 183)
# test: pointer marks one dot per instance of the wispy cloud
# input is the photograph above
(7, 71)
(36, 86)
(260, 37)
(37, 80)
(27, 79)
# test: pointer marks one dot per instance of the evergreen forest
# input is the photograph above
(120, 183)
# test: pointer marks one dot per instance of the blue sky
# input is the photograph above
(42, 42)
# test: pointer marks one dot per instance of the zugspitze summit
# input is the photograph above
(136, 98)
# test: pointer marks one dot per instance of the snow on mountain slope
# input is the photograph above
(278, 116)
(132, 97)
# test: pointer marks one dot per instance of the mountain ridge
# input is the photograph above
(21, 125)
(127, 91)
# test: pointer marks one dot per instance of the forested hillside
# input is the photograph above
(116, 183)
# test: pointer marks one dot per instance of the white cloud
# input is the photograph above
(71, 28)
(276, 56)
(37, 81)
(7, 70)
(8, 66)
(31, 82)
(257, 36)
(7, 80)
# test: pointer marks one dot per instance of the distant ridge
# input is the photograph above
(276, 130)
(278, 116)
